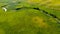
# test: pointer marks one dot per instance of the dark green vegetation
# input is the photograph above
(25, 18)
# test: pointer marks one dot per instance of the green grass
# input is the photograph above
(21, 23)
(29, 21)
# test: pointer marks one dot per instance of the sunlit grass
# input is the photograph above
(29, 21)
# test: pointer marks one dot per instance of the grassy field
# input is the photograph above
(29, 20)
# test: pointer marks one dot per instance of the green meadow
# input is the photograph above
(28, 20)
